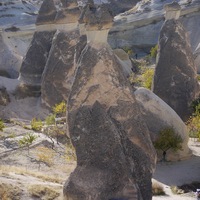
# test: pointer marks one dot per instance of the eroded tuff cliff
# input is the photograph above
(175, 79)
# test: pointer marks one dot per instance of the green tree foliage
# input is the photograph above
(60, 109)
(168, 139)
(153, 51)
(2, 126)
(36, 124)
(27, 140)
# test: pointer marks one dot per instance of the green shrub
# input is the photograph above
(50, 120)
(2, 126)
(36, 124)
(60, 109)
(148, 78)
(153, 51)
(27, 140)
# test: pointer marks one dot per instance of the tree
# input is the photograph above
(168, 139)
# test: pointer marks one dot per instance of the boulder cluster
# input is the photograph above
(111, 124)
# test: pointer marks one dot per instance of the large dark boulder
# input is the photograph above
(108, 163)
(111, 139)
(59, 69)
(35, 60)
(175, 79)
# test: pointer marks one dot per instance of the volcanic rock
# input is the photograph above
(103, 111)
(59, 69)
(35, 60)
(47, 13)
(175, 79)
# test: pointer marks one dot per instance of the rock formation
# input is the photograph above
(9, 61)
(175, 79)
(4, 97)
(105, 124)
(124, 60)
(158, 116)
(59, 69)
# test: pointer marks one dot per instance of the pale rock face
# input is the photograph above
(9, 60)
(175, 79)
(158, 115)
(172, 11)
(124, 60)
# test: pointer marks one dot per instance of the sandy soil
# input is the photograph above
(178, 173)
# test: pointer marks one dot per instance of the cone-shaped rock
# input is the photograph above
(175, 79)
(105, 126)
(47, 13)
(59, 69)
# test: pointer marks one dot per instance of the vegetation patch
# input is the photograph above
(10, 192)
(43, 192)
(157, 189)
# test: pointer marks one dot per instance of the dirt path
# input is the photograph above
(178, 173)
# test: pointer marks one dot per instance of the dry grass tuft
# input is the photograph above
(5, 170)
(157, 189)
(10, 192)
(176, 190)
(43, 192)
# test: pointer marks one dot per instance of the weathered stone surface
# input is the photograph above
(115, 117)
(172, 10)
(34, 62)
(96, 17)
(58, 75)
(9, 61)
(4, 97)
(158, 116)
(175, 79)
(124, 61)
(108, 163)
(47, 13)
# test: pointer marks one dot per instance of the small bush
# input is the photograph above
(10, 192)
(27, 140)
(60, 109)
(36, 124)
(43, 192)
(148, 78)
(2, 126)
(50, 120)
(157, 189)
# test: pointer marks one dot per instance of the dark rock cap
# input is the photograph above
(96, 17)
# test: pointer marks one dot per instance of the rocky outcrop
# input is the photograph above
(34, 62)
(4, 97)
(9, 61)
(59, 69)
(47, 12)
(158, 116)
(106, 128)
(124, 60)
(144, 24)
(175, 79)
